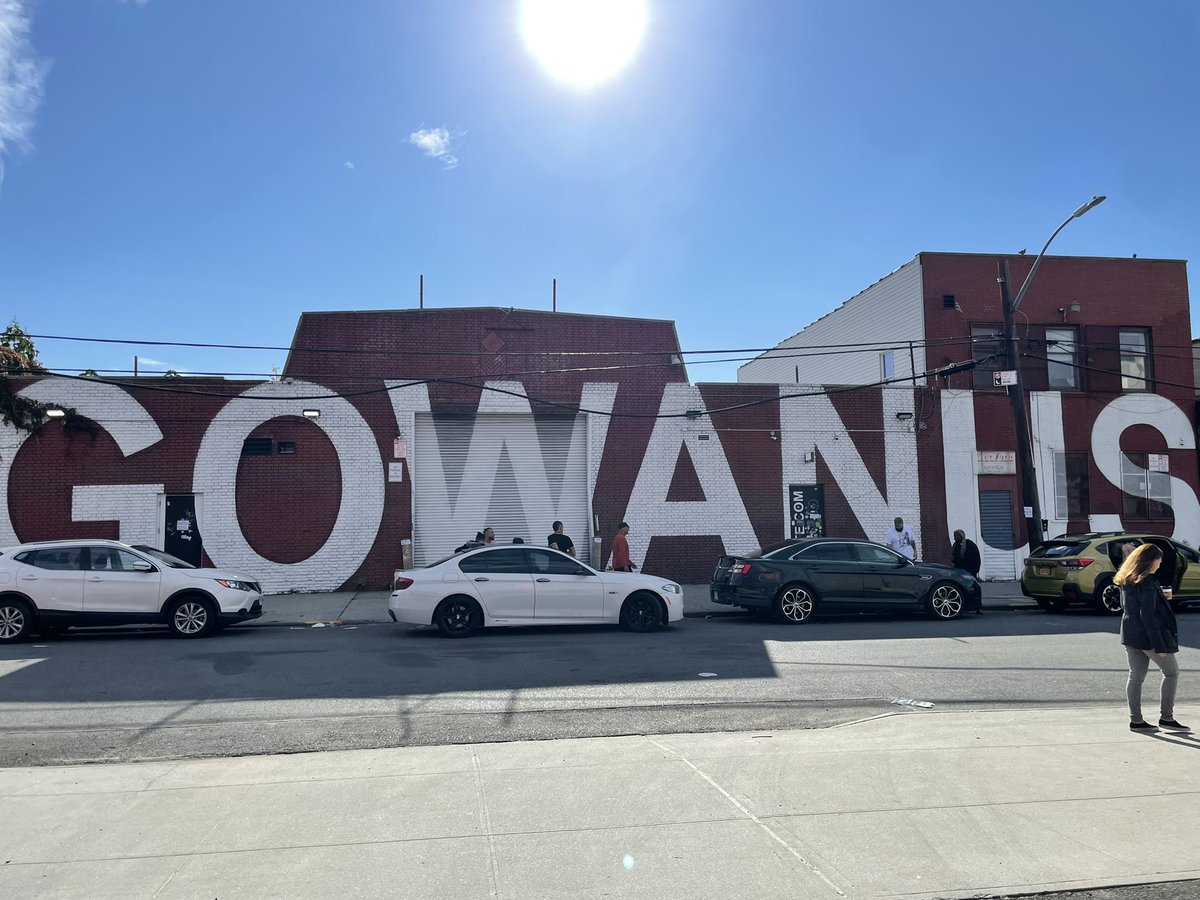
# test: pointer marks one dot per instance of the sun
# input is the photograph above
(583, 42)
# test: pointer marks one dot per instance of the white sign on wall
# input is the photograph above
(1159, 462)
(1004, 378)
(997, 462)
(395, 471)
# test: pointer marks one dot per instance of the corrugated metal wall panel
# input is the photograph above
(514, 473)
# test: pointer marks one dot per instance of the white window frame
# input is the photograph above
(1061, 346)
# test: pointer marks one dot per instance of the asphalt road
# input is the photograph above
(129, 695)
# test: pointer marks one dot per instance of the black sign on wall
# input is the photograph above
(806, 507)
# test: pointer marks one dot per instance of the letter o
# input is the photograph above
(359, 515)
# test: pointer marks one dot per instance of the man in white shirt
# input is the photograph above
(900, 539)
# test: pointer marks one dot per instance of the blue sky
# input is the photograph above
(206, 170)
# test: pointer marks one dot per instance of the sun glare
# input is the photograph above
(583, 42)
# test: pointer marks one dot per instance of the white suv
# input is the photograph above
(48, 586)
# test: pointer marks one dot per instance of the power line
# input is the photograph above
(898, 344)
(944, 371)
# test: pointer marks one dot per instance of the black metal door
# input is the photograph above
(183, 531)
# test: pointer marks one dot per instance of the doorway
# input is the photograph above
(181, 529)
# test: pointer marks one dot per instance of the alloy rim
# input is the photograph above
(457, 617)
(12, 621)
(190, 618)
(796, 605)
(947, 602)
(641, 614)
(1110, 597)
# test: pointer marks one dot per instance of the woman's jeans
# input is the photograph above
(1139, 664)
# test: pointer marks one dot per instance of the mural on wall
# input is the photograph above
(726, 477)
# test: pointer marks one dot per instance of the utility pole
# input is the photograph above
(1016, 398)
(1016, 392)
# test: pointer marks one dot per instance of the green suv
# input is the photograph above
(1079, 568)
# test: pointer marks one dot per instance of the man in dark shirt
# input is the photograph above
(560, 541)
(964, 554)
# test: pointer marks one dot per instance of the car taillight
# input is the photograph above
(403, 583)
(1082, 563)
(743, 569)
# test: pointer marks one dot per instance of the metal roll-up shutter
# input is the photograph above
(514, 473)
(996, 529)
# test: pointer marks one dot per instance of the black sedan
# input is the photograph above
(800, 578)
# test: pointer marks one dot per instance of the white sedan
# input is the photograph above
(499, 586)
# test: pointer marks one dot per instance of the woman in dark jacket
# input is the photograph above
(1149, 632)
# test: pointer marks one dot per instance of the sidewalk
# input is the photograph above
(363, 607)
(913, 804)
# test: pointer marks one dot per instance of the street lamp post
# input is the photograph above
(1016, 392)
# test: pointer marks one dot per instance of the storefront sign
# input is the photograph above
(997, 462)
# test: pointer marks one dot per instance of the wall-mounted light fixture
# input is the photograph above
(774, 435)
(312, 414)
(55, 412)
(1072, 307)
(904, 416)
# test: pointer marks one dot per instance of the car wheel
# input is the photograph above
(641, 613)
(458, 617)
(15, 621)
(192, 617)
(1107, 598)
(795, 603)
(945, 601)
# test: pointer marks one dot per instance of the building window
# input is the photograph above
(1135, 359)
(1070, 485)
(948, 302)
(257, 446)
(1061, 370)
(887, 366)
(987, 349)
(286, 448)
(1147, 495)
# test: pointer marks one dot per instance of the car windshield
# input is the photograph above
(1057, 549)
(165, 558)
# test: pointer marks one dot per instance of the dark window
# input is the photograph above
(547, 563)
(1146, 494)
(1070, 485)
(59, 559)
(949, 301)
(286, 448)
(830, 551)
(1135, 359)
(869, 553)
(1062, 373)
(257, 446)
(987, 349)
(498, 561)
(112, 559)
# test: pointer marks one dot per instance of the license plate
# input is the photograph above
(1043, 570)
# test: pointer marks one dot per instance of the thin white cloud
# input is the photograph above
(435, 142)
(349, 165)
(21, 77)
(140, 4)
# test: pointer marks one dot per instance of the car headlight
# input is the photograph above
(672, 589)
(234, 585)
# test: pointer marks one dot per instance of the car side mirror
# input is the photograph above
(142, 566)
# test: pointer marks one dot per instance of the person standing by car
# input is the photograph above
(1149, 633)
(560, 541)
(900, 539)
(620, 550)
(964, 554)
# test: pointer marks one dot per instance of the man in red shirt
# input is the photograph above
(620, 550)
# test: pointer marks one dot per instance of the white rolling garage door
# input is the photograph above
(515, 473)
